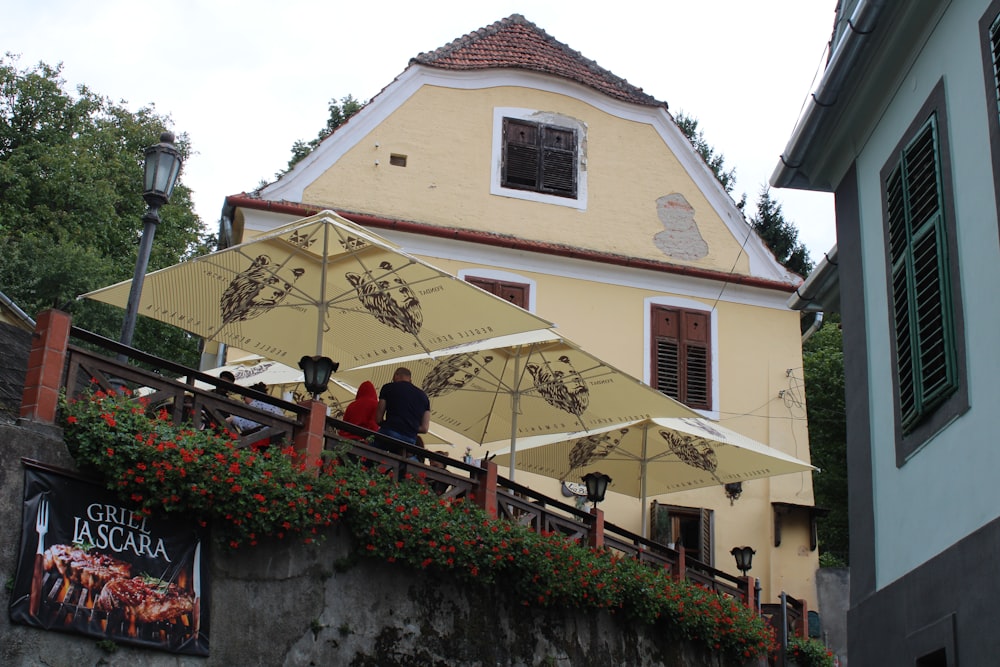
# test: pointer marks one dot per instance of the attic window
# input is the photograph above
(539, 157)
(397, 160)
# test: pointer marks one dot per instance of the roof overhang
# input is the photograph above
(865, 67)
(821, 290)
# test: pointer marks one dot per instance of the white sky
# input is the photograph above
(245, 78)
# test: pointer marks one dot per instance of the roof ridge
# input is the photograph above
(515, 42)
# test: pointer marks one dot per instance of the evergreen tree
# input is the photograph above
(780, 235)
(339, 114)
(823, 361)
(688, 125)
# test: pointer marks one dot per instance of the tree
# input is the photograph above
(823, 362)
(780, 235)
(339, 114)
(688, 125)
(71, 206)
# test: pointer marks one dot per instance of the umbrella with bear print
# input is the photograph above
(322, 285)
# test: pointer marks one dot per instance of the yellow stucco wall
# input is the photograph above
(446, 136)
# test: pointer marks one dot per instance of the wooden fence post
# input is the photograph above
(596, 536)
(486, 496)
(46, 361)
(681, 574)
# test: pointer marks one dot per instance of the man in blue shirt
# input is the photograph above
(404, 411)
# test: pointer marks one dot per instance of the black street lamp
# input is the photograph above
(317, 371)
(744, 558)
(160, 169)
(597, 486)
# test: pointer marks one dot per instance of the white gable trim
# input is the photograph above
(292, 186)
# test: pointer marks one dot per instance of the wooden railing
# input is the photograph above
(55, 363)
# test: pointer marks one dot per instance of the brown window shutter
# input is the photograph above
(516, 293)
(538, 157)
(697, 360)
(682, 355)
(521, 159)
(707, 552)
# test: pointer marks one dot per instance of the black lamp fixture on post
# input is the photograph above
(160, 169)
(744, 558)
(317, 371)
(733, 491)
(597, 486)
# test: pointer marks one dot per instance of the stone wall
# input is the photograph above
(306, 605)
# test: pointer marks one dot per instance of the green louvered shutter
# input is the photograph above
(923, 311)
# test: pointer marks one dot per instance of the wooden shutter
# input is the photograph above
(516, 293)
(707, 552)
(521, 160)
(995, 57)
(539, 157)
(926, 356)
(682, 355)
(558, 161)
(659, 523)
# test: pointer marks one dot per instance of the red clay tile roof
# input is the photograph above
(515, 42)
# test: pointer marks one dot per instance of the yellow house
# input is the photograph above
(516, 163)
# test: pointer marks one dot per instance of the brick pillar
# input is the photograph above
(46, 361)
(486, 495)
(596, 537)
(750, 601)
(310, 439)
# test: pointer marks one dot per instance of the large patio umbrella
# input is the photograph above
(534, 383)
(652, 456)
(322, 285)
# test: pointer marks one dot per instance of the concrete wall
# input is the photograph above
(833, 585)
(309, 605)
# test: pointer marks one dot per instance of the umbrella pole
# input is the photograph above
(516, 406)
(322, 306)
(642, 485)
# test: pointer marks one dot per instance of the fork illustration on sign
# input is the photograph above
(41, 527)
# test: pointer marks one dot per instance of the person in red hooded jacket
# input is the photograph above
(362, 410)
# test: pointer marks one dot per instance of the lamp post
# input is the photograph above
(317, 371)
(744, 558)
(160, 169)
(597, 486)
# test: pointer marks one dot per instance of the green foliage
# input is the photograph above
(161, 467)
(809, 653)
(108, 646)
(688, 125)
(823, 361)
(780, 235)
(339, 114)
(71, 202)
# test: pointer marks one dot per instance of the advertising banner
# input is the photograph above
(90, 565)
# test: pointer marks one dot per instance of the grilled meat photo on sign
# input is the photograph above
(77, 566)
(142, 599)
(145, 599)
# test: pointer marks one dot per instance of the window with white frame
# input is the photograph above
(539, 156)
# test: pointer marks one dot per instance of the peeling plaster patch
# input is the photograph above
(680, 238)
